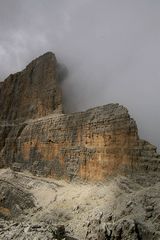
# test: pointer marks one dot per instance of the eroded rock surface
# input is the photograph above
(119, 209)
(32, 93)
(96, 145)
(92, 145)
(89, 145)
(13, 200)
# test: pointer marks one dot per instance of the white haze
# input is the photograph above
(110, 47)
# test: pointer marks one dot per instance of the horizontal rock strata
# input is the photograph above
(92, 145)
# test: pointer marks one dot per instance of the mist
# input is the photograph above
(110, 48)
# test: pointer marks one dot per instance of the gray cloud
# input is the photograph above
(111, 49)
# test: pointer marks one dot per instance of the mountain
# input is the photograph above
(98, 146)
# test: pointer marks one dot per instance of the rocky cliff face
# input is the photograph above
(32, 93)
(35, 135)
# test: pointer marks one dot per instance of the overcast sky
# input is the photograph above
(110, 47)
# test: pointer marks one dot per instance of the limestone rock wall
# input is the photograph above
(90, 145)
(32, 93)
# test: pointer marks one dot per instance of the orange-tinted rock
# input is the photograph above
(91, 145)
(32, 93)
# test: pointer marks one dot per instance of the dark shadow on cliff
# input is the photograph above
(71, 238)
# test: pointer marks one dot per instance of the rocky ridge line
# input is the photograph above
(35, 135)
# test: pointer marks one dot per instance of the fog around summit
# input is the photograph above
(111, 50)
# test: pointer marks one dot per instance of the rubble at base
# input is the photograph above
(79, 176)
(119, 209)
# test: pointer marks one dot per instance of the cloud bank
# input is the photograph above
(111, 49)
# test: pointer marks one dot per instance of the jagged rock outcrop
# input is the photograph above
(118, 209)
(32, 93)
(13, 200)
(36, 135)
